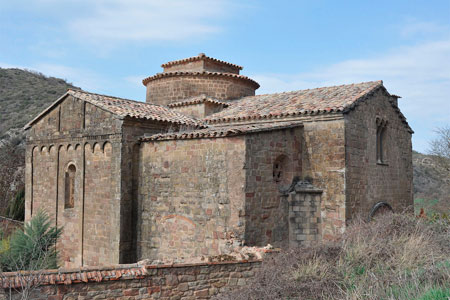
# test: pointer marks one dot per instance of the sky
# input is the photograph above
(109, 46)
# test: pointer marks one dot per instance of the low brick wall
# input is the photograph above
(178, 281)
(8, 226)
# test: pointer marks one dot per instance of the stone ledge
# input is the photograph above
(99, 274)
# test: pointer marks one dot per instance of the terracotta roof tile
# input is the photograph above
(197, 74)
(126, 108)
(199, 99)
(134, 109)
(218, 132)
(199, 57)
(320, 100)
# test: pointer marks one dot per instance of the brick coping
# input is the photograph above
(200, 56)
(198, 74)
(96, 274)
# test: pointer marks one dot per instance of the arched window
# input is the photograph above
(69, 184)
(379, 209)
(282, 170)
(381, 133)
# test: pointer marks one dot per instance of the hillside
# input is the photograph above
(431, 184)
(23, 94)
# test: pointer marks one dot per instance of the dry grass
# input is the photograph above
(394, 257)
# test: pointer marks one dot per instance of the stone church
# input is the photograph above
(205, 165)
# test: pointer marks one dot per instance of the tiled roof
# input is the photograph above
(217, 132)
(312, 101)
(199, 57)
(203, 73)
(199, 99)
(126, 108)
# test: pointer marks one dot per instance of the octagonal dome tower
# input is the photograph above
(195, 76)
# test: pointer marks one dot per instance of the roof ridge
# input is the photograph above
(200, 56)
(119, 98)
(318, 88)
(104, 95)
(262, 106)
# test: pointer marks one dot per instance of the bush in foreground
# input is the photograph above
(32, 248)
(393, 257)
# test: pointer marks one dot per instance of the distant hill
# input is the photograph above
(24, 94)
(431, 184)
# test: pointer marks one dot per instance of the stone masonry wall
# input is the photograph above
(265, 211)
(304, 215)
(100, 221)
(191, 197)
(127, 282)
(198, 110)
(369, 182)
(323, 162)
(78, 134)
(69, 245)
(171, 89)
(132, 130)
(44, 160)
(193, 110)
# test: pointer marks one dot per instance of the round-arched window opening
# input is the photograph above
(281, 170)
(380, 209)
(69, 187)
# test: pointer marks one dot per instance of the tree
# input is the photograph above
(440, 147)
(16, 207)
(12, 166)
(32, 249)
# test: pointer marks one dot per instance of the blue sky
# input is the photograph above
(110, 46)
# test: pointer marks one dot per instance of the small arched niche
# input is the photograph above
(282, 173)
(380, 209)
(69, 186)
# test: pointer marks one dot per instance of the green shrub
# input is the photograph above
(32, 248)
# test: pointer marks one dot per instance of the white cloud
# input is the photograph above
(86, 79)
(135, 80)
(420, 74)
(115, 21)
(414, 28)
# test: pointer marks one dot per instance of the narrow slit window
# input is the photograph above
(69, 199)
(381, 136)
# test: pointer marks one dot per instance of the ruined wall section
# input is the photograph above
(323, 163)
(179, 281)
(369, 182)
(272, 160)
(191, 197)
